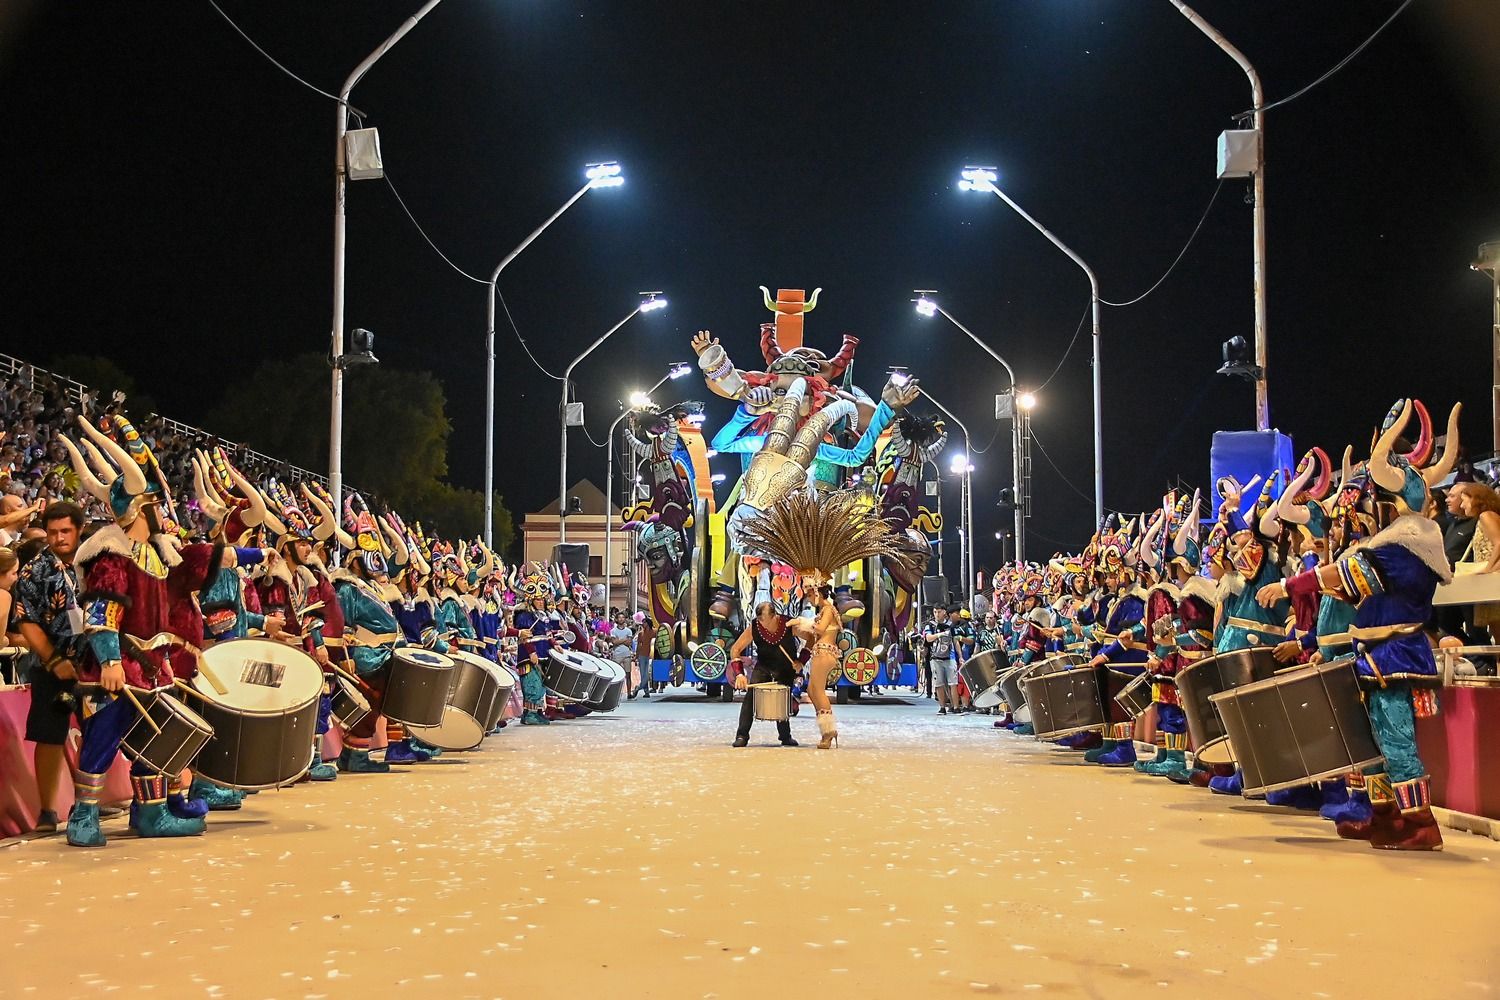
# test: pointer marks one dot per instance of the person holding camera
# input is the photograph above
(51, 620)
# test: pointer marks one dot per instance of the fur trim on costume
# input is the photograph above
(1202, 588)
(169, 547)
(1419, 536)
(1230, 585)
(1167, 587)
(280, 571)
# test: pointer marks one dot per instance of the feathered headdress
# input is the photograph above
(819, 535)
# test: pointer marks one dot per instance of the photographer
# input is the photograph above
(51, 619)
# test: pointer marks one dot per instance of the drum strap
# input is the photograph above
(362, 636)
(1255, 626)
(1378, 633)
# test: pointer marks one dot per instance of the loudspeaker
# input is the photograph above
(573, 555)
(934, 590)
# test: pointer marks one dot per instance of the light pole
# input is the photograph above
(637, 400)
(599, 175)
(340, 181)
(1257, 101)
(650, 303)
(928, 306)
(964, 469)
(984, 179)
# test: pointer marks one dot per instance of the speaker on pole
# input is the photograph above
(572, 555)
(934, 591)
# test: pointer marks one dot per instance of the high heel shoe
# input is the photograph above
(829, 732)
(830, 741)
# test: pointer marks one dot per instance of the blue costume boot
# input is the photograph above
(531, 717)
(423, 747)
(1023, 729)
(1232, 785)
(357, 760)
(402, 752)
(323, 771)
(219, 798)
(184, 806)
(83, 821)
(1335, 797)
(1355, 809)
(1166, 763)
(1123, 755)
(1305, 797)
(149, 815)
(1104, 747)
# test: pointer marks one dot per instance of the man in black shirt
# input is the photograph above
(775, 662)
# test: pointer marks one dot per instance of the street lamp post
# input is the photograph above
(927, 306)
(1258, 123)
(340, 182)
(963, 468)
(650, 303)
(984, 179)
(637, 400)
(599, 175)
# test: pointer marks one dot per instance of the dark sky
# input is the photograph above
(167, 188)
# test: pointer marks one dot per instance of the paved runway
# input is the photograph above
(638, 855)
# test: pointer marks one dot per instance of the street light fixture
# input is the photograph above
(987, 179)
(565, 415)
(638, 400)
(597, 175)
(927, 305)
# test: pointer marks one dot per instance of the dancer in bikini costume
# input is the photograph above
(820, 535)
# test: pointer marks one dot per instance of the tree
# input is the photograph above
(396, 433)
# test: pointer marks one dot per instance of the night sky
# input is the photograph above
(168, 198)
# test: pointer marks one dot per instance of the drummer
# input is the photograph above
(775, 663)
(372, 636)
(539, 629)
(1119, 653)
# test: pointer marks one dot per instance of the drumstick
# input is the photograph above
(129, 692)
(211, 677)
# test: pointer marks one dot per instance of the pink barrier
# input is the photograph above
(1465, 777)
(19, 802)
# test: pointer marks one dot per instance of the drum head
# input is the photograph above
(1220, 751)
(458, 731)
(261, 675)
(424, 657)
(488, 666)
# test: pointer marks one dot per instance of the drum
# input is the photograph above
(266, 723)
(1198, 683)
(501, 707)
(982, 674)
(1065, 702)
(1305, 725)
(1134, 698)
(183, 734)
(773, 702)
(569, 674)
(350, 706)
(614, 688)
(472, 691)
(416, 692)
(1011, 691)
(860, 666)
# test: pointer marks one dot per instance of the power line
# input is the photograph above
(524, 346)
(446, 259)
(1084, 319)
(272, 60)
(1336, 66)
(1037, 441)
(1180, 254)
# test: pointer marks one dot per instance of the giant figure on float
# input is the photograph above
(800, 421)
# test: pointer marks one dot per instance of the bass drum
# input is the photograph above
(982, 674)
(1305, 725)
(265, 724)
(471, 700)
(416, 693)
(614, 688)
(1065, 702)
(570, 674)
(1199, 682)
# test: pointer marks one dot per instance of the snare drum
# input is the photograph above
(570, 674)
(773, 702)
(350, 706)
(982, 673)
(1134, 698)
(265, 724)
(1199, 682)
(472, 691)
(1305, 725)
(507, 682)
(183, 734)
(417, 690)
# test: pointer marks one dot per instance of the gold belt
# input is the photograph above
(1256, 626)
(1375, 633)
(364, 637)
